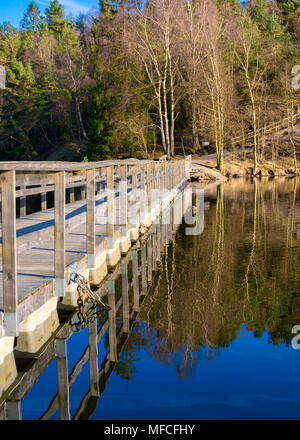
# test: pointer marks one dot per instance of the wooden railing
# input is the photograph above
(274, 127)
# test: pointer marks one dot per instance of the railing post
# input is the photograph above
(90, 218)
(134, 182)
(149, 182)
(43, 201)
(143, 192)
(82, 192)
(148, 186)
(165, 177)
(187, 168)
(160, 182)
(9, 254)
(72, 195)
(23, 204)
(110, 206)
(154, 192)
(123, 200)
(59, 233)
(97, 188)
(175, 174)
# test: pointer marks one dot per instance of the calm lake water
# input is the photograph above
(213, 337)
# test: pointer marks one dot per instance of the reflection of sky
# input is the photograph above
(252, 379)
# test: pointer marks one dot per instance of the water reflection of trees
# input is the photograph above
(244, 268)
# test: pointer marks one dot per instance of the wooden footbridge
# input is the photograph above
(98, 210)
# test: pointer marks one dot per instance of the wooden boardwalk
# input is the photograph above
(39, 250)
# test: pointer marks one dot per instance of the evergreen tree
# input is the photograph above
(105, 6)
(32, 18)
(55, 17)
(100, 133)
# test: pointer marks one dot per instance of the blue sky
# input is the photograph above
(13, 10)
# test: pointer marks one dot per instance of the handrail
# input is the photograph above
(265, 129)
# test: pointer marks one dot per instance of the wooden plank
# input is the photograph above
(28, 179)
(53, 166)
(59, 233)
(9, 254)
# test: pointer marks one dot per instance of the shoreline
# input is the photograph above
(240, 167)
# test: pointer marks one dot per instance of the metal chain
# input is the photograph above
(86, 296)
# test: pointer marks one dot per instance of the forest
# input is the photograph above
(144, 78)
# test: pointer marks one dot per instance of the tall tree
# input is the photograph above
(32, 19)
(55, 17)
(100, 133)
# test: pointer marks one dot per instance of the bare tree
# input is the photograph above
(151, 38)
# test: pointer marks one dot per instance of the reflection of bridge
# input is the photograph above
(136, 270)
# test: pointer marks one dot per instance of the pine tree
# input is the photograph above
(105, 6)
(55, 17)
(100, 133)
(32, 18)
